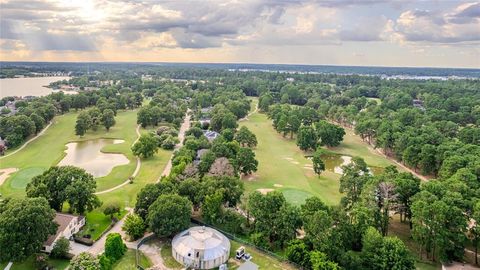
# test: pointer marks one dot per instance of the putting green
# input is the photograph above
(20, 179)
(295, 196)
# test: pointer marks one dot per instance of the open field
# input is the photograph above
(283, 166)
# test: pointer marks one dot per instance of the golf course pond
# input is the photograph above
(334, 163)
(88, 155)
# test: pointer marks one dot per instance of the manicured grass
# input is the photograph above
(22, 178)
(281, 166)
(168, 260)
(127, 262)
(97, 223)
(353, 145)
(58, 264)
(48, 150)
(262, 260)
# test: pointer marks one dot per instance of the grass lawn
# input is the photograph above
(48, 150)
(168, 260)
(127, 262)
(28, 264)
(262, 260)
(353, 145)
(283, 166)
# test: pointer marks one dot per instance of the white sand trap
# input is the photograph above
(277, 185)
(6, 173)
(308, 168)
(295, 162)
(288, 158)
(265, 190)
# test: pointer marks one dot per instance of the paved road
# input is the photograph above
(181, 136)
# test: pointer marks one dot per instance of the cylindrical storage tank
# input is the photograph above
(201, 248)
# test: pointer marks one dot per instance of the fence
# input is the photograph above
(233, 237)
(140, 243)
(227, 234)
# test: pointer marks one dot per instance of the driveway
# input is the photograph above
(76, 248)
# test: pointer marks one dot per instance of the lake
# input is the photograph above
(87, 155)
(29, 86)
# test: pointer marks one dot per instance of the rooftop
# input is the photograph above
(62, 220)
(211, 243)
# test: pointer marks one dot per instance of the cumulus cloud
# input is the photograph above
(92, 25)
(461, 24)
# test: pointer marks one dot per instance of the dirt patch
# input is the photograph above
(277, 185)
(250, 177)
(5, 173)
(265, 190)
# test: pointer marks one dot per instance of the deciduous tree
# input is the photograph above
(169, 214)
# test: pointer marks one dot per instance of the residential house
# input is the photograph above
(68, 225)
(211, 135)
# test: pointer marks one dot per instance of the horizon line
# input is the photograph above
(240, 63)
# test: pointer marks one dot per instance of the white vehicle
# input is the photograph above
(240, 252)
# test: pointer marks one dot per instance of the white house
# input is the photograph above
(68, 225)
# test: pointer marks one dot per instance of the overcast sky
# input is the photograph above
(343, 32)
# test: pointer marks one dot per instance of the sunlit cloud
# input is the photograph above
(298, 31)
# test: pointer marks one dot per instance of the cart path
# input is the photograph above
(29, 141)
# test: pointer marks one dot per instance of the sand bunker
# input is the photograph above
(5, 173)
(265, 190)
(277, 185)
(288, 158)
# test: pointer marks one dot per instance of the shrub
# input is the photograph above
(259, 240)
(61, 248)
(114, 247)
(134, 226)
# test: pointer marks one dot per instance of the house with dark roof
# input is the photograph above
(211, 135)
(68, 225)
